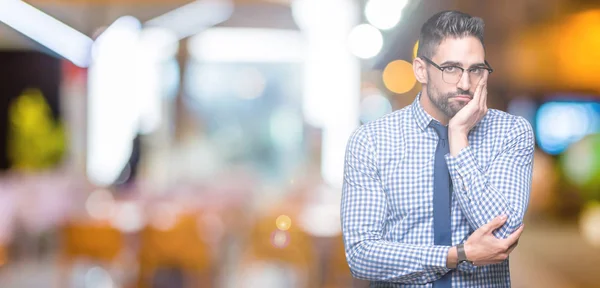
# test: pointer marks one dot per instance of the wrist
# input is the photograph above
(457, 141)
(457, 130)
(452, 259)
(461, 252)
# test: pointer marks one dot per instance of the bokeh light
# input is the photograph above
(280, 239)
(283, 222)
(559, 124)
(97, 277)
(321, 220)
(581, 164)
(398, 76)
(100, 205)
(128, 217)
(577, 49)
(384, 14)
(374, 106)
(365, 41)
(164, 216)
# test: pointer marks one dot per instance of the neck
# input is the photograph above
(430, 108)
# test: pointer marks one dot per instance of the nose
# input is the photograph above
(464, 83)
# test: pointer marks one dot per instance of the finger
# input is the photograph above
(485, 76)
(494, 224)
(483, 96)
(512, 247)
(514, 237)
(478, 89)
(482, 88)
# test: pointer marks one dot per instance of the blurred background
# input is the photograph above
(148, 143)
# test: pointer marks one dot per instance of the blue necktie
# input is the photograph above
(442, 232)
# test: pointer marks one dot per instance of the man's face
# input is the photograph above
(464, 52)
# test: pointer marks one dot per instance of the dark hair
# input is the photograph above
(446, 24)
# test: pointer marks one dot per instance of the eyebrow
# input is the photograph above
(476, 65)
(459, 64)
(451, 63)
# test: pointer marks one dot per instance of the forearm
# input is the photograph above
(458, 141)
(379, 260)
(479, 202)
(477, 195)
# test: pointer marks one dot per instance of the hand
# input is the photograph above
(483, 248)
(474, 111)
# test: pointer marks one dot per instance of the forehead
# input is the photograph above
(467, 50)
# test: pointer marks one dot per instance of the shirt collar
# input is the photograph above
(422, 118)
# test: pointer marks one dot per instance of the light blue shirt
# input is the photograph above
(387, 198)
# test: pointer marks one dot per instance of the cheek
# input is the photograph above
(443, 89)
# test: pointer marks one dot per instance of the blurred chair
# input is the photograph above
(93, 241)
(175, 253)
(287, 257)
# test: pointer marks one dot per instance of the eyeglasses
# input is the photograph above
(453, 74)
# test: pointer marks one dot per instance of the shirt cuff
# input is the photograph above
(435, 258)
(466, 267)
(464, 164)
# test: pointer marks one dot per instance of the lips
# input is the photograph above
(463, 97)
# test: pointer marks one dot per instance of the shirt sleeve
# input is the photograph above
(363, 213)
(505, 185)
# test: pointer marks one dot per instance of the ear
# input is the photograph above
(420, 70)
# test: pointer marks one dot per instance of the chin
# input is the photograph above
(452, 109)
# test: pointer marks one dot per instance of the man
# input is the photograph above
(435, 193)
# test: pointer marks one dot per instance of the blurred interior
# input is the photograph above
(148, 143)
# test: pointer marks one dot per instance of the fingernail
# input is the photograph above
(503, 217)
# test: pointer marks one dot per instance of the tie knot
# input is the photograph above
(440, 129)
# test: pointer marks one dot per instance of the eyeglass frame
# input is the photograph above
(488, 68)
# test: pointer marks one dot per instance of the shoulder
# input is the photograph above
(383, 128)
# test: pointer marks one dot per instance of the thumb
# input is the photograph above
(494, 224)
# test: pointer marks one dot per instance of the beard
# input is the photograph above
(442, 101)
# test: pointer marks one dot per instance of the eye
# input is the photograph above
(451, 69)
(476, 71)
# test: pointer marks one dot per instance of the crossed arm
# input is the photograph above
(501, 189)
